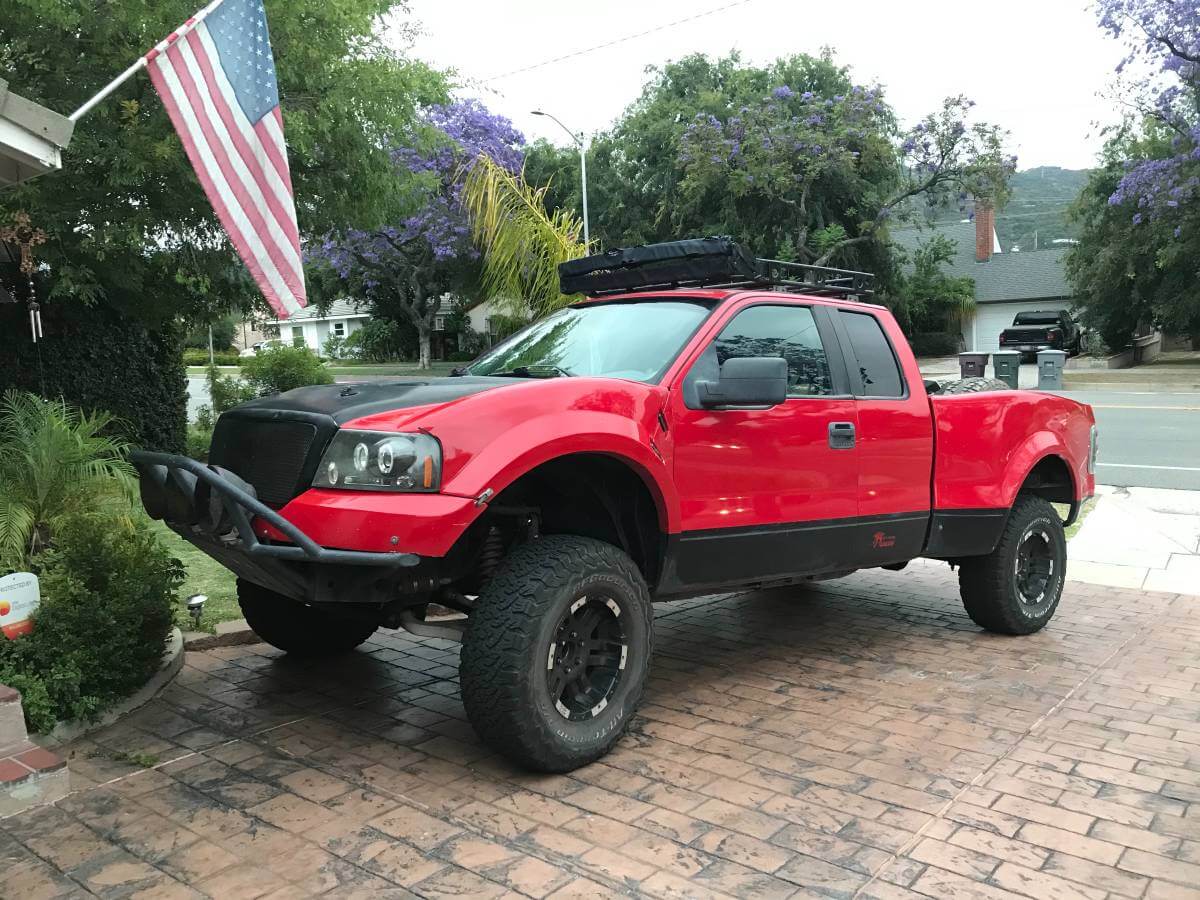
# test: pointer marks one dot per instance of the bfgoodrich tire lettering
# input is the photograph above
(296, 628)
(1016, 588)
(519, 632)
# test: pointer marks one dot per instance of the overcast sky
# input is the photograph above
(1036, 67)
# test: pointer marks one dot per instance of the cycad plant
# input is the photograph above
(54, 459)
(521, 242)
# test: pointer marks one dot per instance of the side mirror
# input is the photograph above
(752, 381)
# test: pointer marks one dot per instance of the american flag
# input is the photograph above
(216, 76)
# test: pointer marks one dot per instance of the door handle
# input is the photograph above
(841, 435)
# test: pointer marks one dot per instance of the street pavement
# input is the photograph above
(1146, 439)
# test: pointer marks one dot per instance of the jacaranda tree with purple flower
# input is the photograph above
(788, 158)
(1137, 260)
(402, 271)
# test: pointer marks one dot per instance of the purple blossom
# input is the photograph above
(436, 151)
(783, 92)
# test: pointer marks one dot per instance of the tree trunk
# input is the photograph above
(424, 337)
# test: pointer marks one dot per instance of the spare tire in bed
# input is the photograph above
(973, 386)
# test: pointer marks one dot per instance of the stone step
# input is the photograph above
(29, 775)
(12, 719)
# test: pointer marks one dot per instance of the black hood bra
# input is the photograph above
(345, 402)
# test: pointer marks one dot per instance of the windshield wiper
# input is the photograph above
(534, 371)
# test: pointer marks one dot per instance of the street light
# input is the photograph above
(581, 142)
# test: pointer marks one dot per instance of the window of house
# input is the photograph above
(787, 331)
(297, 336)
(339, 329)
(877, 364)
(439, 323)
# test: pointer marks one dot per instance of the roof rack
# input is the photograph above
(716, 262)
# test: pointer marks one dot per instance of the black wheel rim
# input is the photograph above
(1036, 567)
(586, 657)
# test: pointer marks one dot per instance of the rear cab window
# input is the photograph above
(873, 362)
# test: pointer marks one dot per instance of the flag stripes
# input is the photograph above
(241, 164)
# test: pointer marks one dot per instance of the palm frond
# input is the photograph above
(54, 458)
(521, 242)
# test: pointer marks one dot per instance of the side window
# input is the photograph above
(787, 331)
(876, 362)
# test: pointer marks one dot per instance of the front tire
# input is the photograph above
(1016, 588)
(556, 652)
(297, 629)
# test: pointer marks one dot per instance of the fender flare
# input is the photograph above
(1037, 447)
(514, 456)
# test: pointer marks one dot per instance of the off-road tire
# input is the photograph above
(974, 386)
(989, 584)
(298, 629)
(510, 640)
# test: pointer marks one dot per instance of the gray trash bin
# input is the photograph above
(1007, 365)
(972, 365)
(1050, 369)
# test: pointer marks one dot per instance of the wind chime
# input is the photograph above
(25, 237)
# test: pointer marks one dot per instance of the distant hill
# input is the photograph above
(1037, 211)
(1036, 214)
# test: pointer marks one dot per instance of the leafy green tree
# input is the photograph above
(1129, 270)
(793, 159)
(927, 300)
(224, 330)
(1136, 263)
(129, 225)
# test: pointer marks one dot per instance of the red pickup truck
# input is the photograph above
(655, 441)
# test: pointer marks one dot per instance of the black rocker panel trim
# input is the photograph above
(965, 532)
(740, 556)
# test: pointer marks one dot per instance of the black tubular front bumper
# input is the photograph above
(213, 508)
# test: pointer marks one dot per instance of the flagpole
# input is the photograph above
(143, 61)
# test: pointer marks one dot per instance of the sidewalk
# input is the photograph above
(1146, 538)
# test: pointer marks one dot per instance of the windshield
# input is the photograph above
(1036, 318)
(615, 340)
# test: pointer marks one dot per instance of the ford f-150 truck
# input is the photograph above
(696, 424)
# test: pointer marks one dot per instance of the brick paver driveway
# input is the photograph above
(859, 738)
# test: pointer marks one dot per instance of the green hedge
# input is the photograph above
(108, 591)
(99, 360)
(935, 343)
(194, 357)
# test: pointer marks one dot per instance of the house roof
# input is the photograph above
(338, 309)
(1036, 275)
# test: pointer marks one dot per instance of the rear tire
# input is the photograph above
(1016, 588)
(296, 628)
(556, 652)
(974, 386)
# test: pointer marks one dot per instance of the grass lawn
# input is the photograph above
(204, 576)
(1088, 506)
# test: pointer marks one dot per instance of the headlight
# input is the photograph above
(378, 461)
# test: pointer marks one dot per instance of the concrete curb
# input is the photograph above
(171, 664)
(228, 634)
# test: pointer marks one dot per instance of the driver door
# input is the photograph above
(767, 492)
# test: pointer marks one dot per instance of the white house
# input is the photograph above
(310, 328)
(1005, 283)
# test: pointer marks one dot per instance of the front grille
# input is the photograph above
(268, 453)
